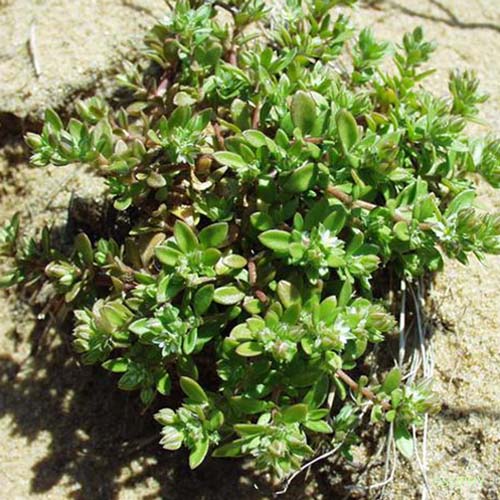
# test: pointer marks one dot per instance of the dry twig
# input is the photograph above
(34, 51)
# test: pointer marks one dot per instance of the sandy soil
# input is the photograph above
(66, 433)
(75, 43)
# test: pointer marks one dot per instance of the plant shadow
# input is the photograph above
(102, 442)
(448, 17)
(99, 441)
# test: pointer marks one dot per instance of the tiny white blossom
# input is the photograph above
(343, 331)
(328, 240)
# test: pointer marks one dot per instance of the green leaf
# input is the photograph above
(186, 366)
(240, 113)
(327, 309)
(303, 111)
(229, 159)
(318, 426)
(340, 388)
(390, 415)
(234, 261)
(199, 453)
(203, 298)
(116, 365)
(190, 341)
(140, 326)
(130, 380)
(318, 393)
(249, 405)
(232, 449)
(214, 236)
(183, 99)
(164, 384)
(318, 414)
(316, 213)
(295, 413)
(348, 129)
(301, 179)
(288, 293)
(402, 231)
(84, 247)
(9, 279)
(167, 255)
(52, 118)
(172, 438)
(71, 295)
(147, 395)
(122, 204)
(392, 380)
(156, 180)
(249, 349)
(463, 200)
(251, 429)
(345, 293)
(228, 295)
(404, 441)
(356, 241)
(210, 256)
(396, 397)
(193, 390)
(253, 306)
(261, 221)
(241, 332)
(376, 414)
(276, 240)
(216, 421)
(179, 117)
(296, 250)
(169, 287)
(336, 220)
(292, 314)
(185, 237)
(115, 313)
(256, 138)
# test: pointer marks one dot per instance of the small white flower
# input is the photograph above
(328, 240)
(343, 331)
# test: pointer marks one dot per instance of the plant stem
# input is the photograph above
(233, 57)
(367, 393)
(256, 117)
(366, 205)
(218, 135)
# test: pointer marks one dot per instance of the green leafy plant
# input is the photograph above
(267, 193)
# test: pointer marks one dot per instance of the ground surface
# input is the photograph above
(75, 43)
(64, 431)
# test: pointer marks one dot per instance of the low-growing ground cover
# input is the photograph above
(338, 119)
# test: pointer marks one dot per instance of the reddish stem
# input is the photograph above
(347, 200)
(162, 87)
(252, 273)
(219, 136)
(233, 56)
(311, 140)
(367, 393)
(256, 117)
(261, 296)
